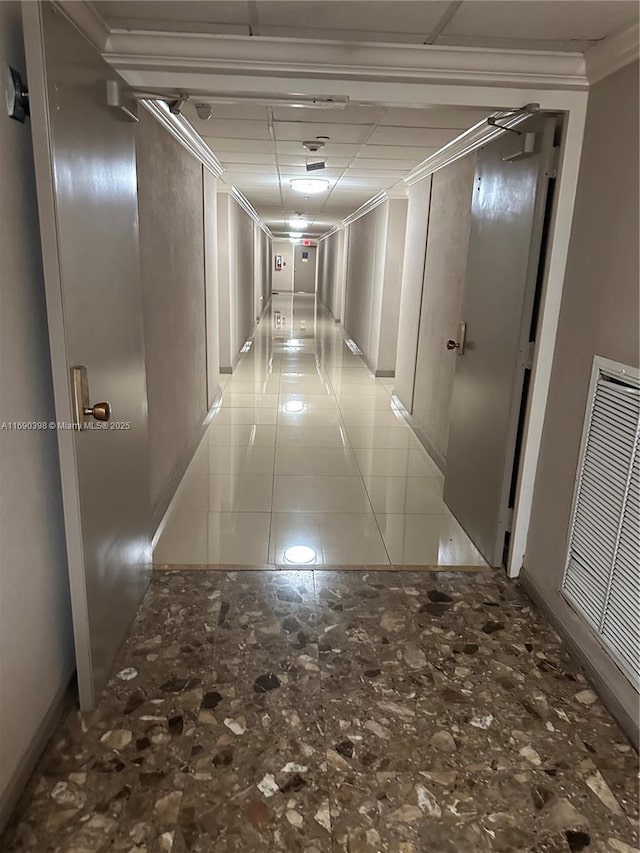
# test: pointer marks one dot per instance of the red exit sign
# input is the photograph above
(306, 242)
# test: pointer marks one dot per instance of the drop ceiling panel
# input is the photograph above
(351, 114)
(447, 117)
(332, 162)
(237, 129)
(249, 168)
(240, 157)
(399, 16)
(156, 15)
(562, 20)
(396, 152)
(332, 147)
(379, 174)
(219, 145)
(415, 136)
(340, 133)
(371, 165)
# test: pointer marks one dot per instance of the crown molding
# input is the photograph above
(612, 54)
(249, 209)
(469, 141)
(330, 233)
(367, 207)
(84, 16)
(185, 133)
(138, 50)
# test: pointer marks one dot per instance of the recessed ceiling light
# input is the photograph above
(298, 224)
(300, 554)
(310, 185)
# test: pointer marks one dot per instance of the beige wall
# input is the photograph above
(442, 294)
(373, 280)
(210, 213)
(599, 315)
(331, 272)
(411, 290)
(242, 275)
(226, 274)
(244, 293)
(263, 269)
(389, 299)
(172, 256)
(36, 643)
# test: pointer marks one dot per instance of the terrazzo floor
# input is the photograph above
(336, 711)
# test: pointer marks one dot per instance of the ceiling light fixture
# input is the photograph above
(298, 224)
(313, 186)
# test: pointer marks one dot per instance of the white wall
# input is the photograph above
(373, 282)
(599, 316)
(36, 643)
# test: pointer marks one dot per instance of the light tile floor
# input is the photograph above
(308, 449)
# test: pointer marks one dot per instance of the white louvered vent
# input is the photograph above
(602, 577)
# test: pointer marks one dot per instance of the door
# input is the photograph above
(304, 269)
(87, 197)
(511, 189)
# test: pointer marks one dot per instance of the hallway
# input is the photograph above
(308, 463)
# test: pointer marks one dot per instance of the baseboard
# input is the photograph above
(628, 722)
(420, 434)
(61, 703)
(229, 368)
(168, 493)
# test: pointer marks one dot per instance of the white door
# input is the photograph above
(508, 213)
(87, 196)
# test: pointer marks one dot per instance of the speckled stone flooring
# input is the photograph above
(336, 711)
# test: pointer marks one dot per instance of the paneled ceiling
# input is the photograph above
(369, 148)
(520, 24)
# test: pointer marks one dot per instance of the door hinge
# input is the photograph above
(508, 518)
(529, 355)
(554, 162)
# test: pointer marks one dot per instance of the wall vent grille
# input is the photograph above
(602, 575)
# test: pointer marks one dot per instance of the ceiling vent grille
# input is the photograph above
(602, 575)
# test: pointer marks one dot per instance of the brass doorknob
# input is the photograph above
(451, 344)
(100, 411)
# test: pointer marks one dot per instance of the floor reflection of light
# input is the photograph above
(294, 406)
(300, 554)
